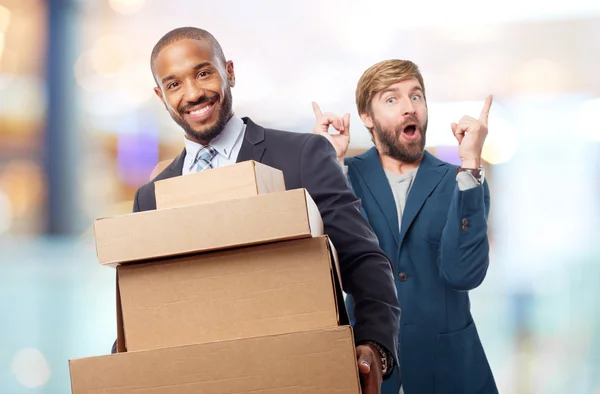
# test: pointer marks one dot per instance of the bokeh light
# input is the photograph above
(126, 7)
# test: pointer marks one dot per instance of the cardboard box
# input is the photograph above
(258, 290)
(317, 361)
(205, 227)
(245, 179)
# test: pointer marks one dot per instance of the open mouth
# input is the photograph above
(410, 132)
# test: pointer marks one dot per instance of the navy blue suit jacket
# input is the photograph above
(440, 253)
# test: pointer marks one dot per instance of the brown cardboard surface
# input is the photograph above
(205, 227)
(245, 179)
(259, 290)
(307, 362)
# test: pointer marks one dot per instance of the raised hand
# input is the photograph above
(470, 134)
(341, 140)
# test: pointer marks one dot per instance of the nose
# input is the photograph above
(408, 107)
(193, 92)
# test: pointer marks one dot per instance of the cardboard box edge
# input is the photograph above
(121, 340)
(315, 221)
(343, 318)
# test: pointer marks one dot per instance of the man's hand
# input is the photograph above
(470, 134)
(369, 366)
(340, 141)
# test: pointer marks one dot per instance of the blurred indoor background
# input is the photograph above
(81, 129)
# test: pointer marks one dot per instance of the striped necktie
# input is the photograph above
(203, 159)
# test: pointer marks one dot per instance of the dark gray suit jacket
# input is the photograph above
(309, 161)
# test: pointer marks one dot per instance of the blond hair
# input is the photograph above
(381, 76)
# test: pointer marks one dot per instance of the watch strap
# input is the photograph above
(476, 172)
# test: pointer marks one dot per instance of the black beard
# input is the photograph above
(213, 131)
(409, 152)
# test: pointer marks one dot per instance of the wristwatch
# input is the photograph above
(386, 362)
(478, 173)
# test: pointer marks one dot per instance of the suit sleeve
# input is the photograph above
(136, 208)
(366, 272)
(464, 248)
(136, 201)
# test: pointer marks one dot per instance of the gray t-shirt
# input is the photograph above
(400, 184)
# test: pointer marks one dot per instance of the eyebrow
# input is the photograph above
(394, 90)
(196, 67)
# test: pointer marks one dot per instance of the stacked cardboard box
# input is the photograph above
(230, 286)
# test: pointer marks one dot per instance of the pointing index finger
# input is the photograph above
(317, 110)
(486, 110)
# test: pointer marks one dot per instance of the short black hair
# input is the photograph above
(186, 33)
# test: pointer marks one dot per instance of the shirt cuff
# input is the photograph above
(466, 181)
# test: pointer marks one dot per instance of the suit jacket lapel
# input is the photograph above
(372, 173)
(174, 169)
(252, 147)
(430, 173)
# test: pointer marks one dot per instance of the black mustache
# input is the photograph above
(201, 100)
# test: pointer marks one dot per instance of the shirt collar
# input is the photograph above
(223, 143)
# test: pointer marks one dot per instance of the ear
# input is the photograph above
(159, 94)
(230, 72)
(367, 120)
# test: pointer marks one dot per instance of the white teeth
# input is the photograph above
(200, 111)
